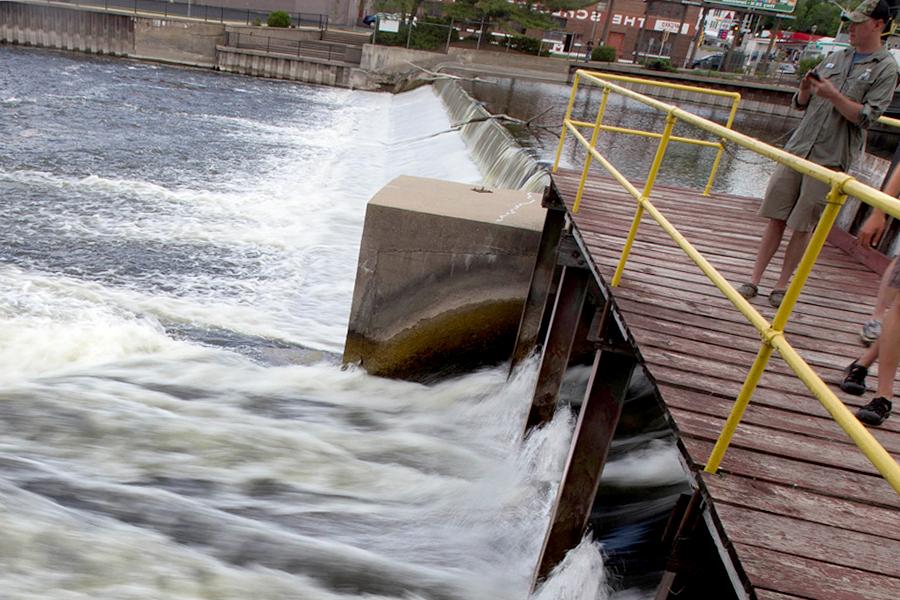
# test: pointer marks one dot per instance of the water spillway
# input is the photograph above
(178, 252)
(503, 162)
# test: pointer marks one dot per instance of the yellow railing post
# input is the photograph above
(562, 136)
(648, 186)
(836, 199)
(740, 405)
(587, 159)
(715, 167)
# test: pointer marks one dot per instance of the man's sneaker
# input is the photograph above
(855, 379)
(871, 331)
(875, 412)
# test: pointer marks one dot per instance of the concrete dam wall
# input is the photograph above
(97, 32)
(178, 41)
(66, 29)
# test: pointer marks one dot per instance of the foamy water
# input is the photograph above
(178, 255)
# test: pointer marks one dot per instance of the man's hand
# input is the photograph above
(806, 83)
(871, 230)
(823, 88)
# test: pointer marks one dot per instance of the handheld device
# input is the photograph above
(815, 76)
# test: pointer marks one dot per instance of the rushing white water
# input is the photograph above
(178, 254)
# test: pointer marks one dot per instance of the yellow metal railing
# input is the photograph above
(889, 121)
(598, 125)
(772, 333)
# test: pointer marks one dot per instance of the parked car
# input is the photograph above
(712, 62)
(787, 69)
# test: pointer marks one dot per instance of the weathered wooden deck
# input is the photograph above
(799, 510)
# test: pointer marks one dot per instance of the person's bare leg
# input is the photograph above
(886, 293)
(888, 346)
(870, 355)
(792, 255)
(768, 245)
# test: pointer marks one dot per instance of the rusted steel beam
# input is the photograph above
(683, 559)
(563, 325)
(597, 423)
(539, 290)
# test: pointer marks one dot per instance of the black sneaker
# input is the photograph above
(875, 412)
(855, 379)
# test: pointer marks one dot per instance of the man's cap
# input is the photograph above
(868, 9)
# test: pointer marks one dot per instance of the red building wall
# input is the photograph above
(636, 20)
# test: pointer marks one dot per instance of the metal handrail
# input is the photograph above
(599, 126)
(773, 339)
(274, 44)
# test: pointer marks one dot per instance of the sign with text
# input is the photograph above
(783, 6)
(670, 26)
(389, 25)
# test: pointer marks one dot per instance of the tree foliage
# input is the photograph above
(821, 14)
(279, 18)
(511, 16)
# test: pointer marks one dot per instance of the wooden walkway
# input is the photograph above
(798, 508)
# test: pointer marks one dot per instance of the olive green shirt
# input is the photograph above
(824, 135)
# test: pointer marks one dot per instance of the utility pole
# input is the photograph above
(594, 24)
(698, 36)
(480, 33)
(606, 20)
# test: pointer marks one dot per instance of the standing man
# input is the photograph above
(841, 97)
(588, 51)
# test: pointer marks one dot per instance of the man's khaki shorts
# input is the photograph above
(795, 198)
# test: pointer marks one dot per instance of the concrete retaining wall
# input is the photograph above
(511, 60)
(178, 41)
(66, 29)
(391, 59)
(289, 35)
(261, 64)
(443, 272)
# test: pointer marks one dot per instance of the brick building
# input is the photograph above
(636, 28)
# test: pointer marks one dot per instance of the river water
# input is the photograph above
(178, 253)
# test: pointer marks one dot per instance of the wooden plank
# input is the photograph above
(848, 310)
(686, 211)
(827, 357)
(741, 352)
(688, 276)
(703, 304)
(803, 504)
(770, 595)
(795, 575)
(786, 418)
(737, 257)
(801, 336)
(765, 395)
(781, 443)
(821, 479)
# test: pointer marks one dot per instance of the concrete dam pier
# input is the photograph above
(443, 273)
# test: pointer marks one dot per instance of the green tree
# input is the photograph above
(822, 15)
(819, 14)
(509, 16)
